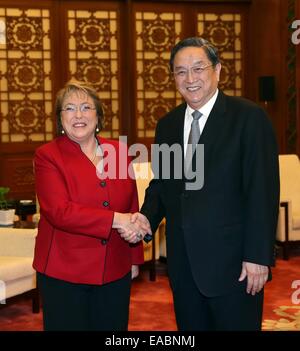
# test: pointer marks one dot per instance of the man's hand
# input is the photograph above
(142, 221)
(130, 230)
(256, 274)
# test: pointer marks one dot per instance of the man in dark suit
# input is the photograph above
(220, 236)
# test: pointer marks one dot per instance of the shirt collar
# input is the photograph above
(205, 109)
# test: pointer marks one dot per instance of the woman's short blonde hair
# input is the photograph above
(75, 86)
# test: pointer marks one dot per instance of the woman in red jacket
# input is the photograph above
(84, 266)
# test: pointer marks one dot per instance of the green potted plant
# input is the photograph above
(6, 214)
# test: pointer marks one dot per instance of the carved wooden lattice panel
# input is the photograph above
(25, 68)
(225, 32)
(156, 34)
(93, 57)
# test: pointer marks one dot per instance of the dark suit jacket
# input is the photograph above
(233, 217)
(75, 240)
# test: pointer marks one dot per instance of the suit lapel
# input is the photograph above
(212, 129)
(210, 132)
(214, 122)
(173, 135)
(180, 132)
(178, 125)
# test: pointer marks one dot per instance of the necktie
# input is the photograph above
(193, 138)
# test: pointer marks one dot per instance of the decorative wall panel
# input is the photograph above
(156, 34)
(25, 83)
(225, 32)
(93, 57)
(111, 44)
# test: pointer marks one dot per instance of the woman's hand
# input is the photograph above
(130, 230)
(134, 271)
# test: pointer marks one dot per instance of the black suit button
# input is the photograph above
(103, 183)
(105, 203)
(103, 242)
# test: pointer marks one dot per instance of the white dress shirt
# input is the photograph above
(188, 119)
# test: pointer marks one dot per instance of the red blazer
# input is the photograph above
(75, 241)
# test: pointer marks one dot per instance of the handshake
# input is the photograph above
(132, 227)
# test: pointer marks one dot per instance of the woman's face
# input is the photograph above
(79, 117)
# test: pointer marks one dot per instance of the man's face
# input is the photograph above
(195, 84)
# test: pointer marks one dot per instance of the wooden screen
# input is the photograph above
(156, 33)
(25, 82)
(225, 32)
(121, 47)
(93, 57)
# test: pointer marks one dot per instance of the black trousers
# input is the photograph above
(69, 306)
(194, 311)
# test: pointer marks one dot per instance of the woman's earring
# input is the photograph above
(62, 132)
(97, 130)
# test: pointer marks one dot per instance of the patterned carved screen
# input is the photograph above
(93, 57)
(25, 83)
(156, 33)
(225, 32)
